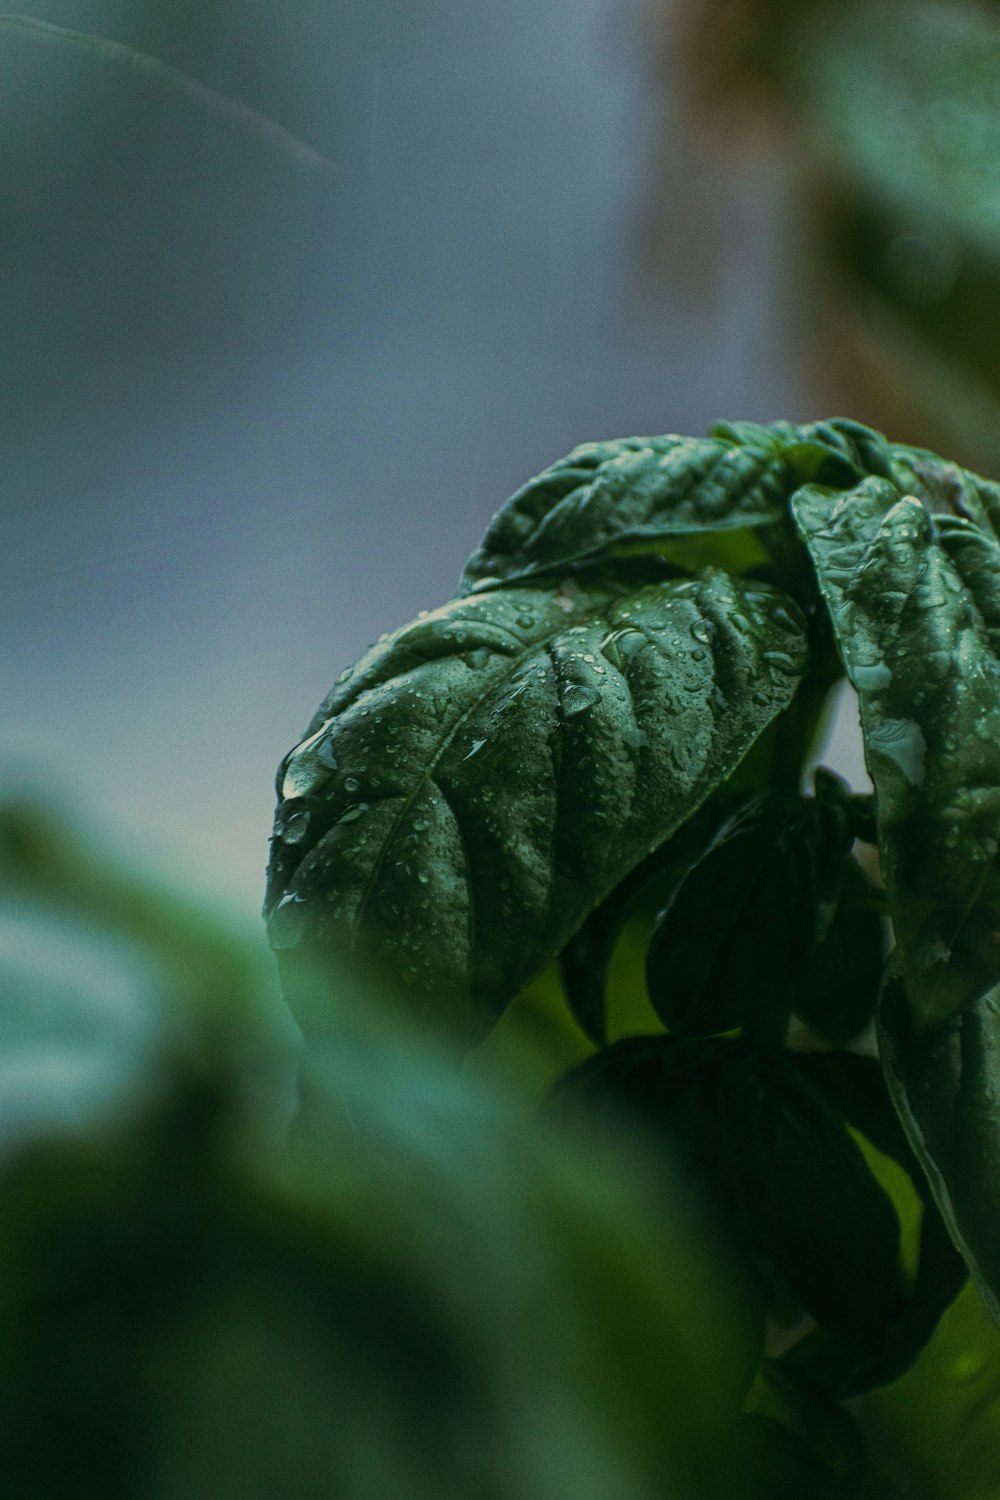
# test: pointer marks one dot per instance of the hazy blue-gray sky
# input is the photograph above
(253, 416)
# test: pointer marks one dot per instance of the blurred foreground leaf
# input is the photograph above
(426, 1294)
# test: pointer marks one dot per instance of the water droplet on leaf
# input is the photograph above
(353, 813)
(577, 699)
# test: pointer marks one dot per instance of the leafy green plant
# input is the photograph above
(605, 736)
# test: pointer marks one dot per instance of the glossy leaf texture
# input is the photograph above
(771, 1157)
(946, 489)
(738, 930)
(485, 776)
(652, 489)
(915, 603)
(946, 1089)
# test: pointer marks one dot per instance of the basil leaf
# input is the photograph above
(786, 1462)
(916, 608)
(836, 992)
(631, 489)
(809, 1197)
(838, 452)
(945, 488)
(791, 1188)
(583, 963)
(485, 776)
(946, 1086)
(855, 1086)
(738, 930)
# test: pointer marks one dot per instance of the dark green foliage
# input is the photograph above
(945, 1084)
(914, 602)
(584, 741)
(503, 763)
(748, 1130)
(767, 885)
(420, 1292)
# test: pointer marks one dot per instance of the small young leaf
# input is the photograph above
(915, 603)
(945, 1085)
(631, 489)
(485, 776)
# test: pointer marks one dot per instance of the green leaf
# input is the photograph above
(583, 963)
(915, 603)
(836, 991)
(653, 489)
(485, 776)
(909, 112)
(945, 1085)
(735, 935)
(792, 1190)
(946, 489)
(855, 1086)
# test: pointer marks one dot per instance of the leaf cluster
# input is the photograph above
(610, 725)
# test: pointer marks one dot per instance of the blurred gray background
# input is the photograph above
(253, 415)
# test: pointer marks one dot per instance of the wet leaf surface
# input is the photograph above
(915, 603)
(485, 776)
(632, 489)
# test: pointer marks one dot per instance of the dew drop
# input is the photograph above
(577, 699)
(351, 783)
(287, 922)
(871, 678)
(295, 827)
(478, 658)
(353, 813)
(477, 745)
(703, 630)
(325, 755)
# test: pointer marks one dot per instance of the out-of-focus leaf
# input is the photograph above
(653, 489)
(914, 603)
(945, 1085)
(499, 766)
(937, 1428)
(432, 1295)
(907, 98)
